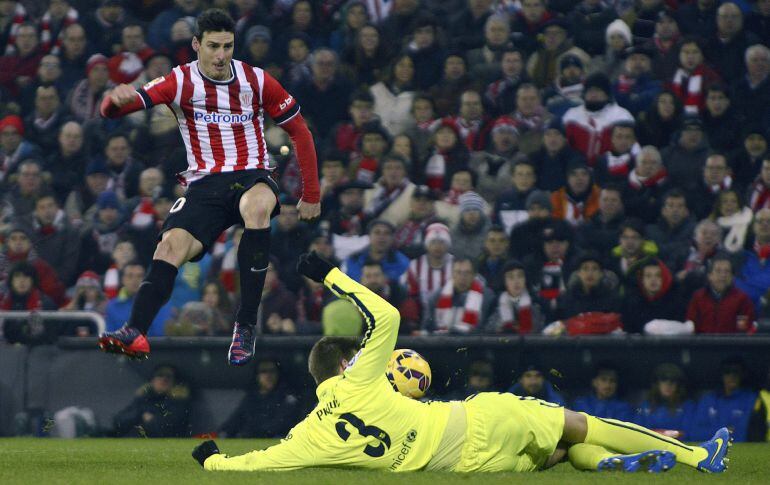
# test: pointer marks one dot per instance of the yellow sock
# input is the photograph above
(627, 438)
(587, 457)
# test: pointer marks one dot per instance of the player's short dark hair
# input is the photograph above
(327, 354)
(214, 20)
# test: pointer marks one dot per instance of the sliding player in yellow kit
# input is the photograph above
(361, 422)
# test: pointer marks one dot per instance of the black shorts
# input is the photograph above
(210, 205)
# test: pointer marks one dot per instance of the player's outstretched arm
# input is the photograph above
(120, 101)
(382, 319)
(293, 452)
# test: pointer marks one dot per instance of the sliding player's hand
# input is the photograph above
(314, 266)
(205, 450)
(122, 94)
(308, 211)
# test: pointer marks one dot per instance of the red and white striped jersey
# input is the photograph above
(222, 122)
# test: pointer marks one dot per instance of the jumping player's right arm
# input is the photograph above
(382, 322)
(124, 99)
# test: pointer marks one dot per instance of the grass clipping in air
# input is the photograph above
(168, 461)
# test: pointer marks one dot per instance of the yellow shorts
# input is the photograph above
(507, 432)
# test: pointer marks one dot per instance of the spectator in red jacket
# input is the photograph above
(347, 134)
(128, 64)
(720, 307)
(17, 70)
(19, 248)
(589, 126)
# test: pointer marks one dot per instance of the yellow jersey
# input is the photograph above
(359, 421)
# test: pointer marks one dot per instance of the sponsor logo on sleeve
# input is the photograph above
(286, 102)
(152, 83)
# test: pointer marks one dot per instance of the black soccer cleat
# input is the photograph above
(126, 340)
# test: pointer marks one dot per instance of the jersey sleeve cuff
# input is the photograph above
(289, 114)
(332, 276)
(146, 99)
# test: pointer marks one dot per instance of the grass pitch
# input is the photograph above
(168, 462)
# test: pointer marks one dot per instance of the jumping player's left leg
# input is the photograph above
(648, 449)
(256, 207)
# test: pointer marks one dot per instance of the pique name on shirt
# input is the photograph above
(327, 410)
(223, 118)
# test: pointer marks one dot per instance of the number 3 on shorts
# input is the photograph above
(178, 205)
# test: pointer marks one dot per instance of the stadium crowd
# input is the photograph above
(508, 166)
(489, 166)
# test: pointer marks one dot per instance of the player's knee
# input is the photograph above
(256, 211)
(172, 250)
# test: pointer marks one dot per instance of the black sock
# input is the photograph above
(253, 258)
(154, 293)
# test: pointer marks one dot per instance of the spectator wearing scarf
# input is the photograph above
(517, 311)
(462, 304)
(389, 199)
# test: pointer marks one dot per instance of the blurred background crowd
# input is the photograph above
(496, 167)
(489, 166)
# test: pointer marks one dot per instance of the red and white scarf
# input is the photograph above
(447, 315)
(48, 43)
(689, 88)
(619, 165)
(435, 170)
(637, 183)
(552, 280)
(367, 169)
(535, 121)
(423, 280)
(409, 233)
(760, 196)
(725, 184)
(515, 313)
(383, 197)
(112, 281)
(696, 261)
(144, 214)
(19, 17)
(228, 272)
(469, 131)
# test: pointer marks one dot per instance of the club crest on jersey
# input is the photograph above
(152, 83)
(246, 98)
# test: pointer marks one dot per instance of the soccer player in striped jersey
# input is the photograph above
(219, 104)
(360, 421)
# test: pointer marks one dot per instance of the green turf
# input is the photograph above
(149, 461)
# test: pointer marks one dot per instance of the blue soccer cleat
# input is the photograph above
(125, 340)
(242, 349)
(655, 461)
(717, 448)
